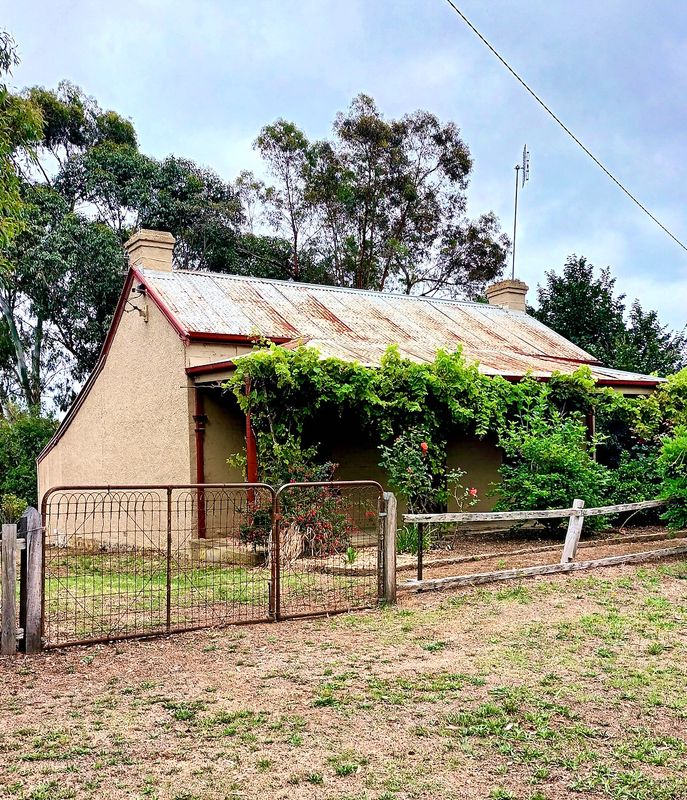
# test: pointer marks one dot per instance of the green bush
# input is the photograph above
(23, 435)
(12, 507)
(548, 464)
(673, 465)
(417, 470)
(637, 477)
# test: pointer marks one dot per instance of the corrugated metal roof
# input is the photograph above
(360, 325)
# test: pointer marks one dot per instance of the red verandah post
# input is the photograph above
(251, 448)
(200, 419)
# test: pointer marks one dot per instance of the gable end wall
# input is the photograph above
(134, 425)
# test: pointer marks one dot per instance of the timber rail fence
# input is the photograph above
(576, 515)
(22, 589)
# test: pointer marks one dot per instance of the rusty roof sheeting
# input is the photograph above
(359, 325)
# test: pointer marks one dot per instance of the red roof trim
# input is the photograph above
(618, 382)
(208, 369)
(162, 307)
(598, 381)
(240, 338)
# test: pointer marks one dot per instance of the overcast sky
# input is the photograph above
(200, 78)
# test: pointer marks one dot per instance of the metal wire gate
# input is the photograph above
(328, 543)
(122, 562)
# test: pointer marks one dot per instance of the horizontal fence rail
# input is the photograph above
(576, 515)
(549, 513)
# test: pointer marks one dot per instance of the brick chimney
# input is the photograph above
(509, 294)
(151, 250)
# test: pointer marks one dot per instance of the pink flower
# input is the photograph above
(424, 447)
(473, 492)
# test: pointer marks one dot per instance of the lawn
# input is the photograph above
(553, 688)
(91, 596)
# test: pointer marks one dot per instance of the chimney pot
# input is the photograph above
(151, 250)
(509, 294)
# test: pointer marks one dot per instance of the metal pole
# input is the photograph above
(515, 216)
(168, 598)
(420, 548)
(276, 558)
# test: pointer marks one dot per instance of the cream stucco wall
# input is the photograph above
(358, 459)
(480, 461)
(134, 425)
(225, 435)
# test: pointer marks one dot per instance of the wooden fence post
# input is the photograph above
(31, 587)
(8, 634)
(572, 537)
(390, 525)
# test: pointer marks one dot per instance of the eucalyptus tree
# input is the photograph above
(383, 203)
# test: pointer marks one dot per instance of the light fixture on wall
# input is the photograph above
(137, 291)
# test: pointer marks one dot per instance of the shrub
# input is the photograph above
(12, 507)
(637, 477)
(258, 529)
(547, 465)
(416, 467)
(23, 435)
(673, 465)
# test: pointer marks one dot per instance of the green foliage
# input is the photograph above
(417, 470)
(548, 463)
(671, 399)
(257, 530)
(673, 464)
(22, 436)
(20, 126)
(637, 477)
(586, 310)
(407, 539)
(410, 410)
(12, 507)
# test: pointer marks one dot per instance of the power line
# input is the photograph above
(562, 124)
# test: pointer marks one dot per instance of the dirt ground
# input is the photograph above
(557, 687)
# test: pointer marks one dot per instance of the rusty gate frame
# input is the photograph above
(273, 610)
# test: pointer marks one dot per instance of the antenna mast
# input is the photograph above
(522, 174)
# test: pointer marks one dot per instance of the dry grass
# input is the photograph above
(554, 688)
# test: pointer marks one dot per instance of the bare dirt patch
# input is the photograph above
(540, 689)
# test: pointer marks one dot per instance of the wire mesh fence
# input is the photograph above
(329, 544)
(139, 561)
(135, 561)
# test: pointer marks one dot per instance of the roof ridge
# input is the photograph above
(324, 286)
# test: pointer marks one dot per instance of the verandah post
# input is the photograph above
(572, 537)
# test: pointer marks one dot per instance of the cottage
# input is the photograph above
(153, 410)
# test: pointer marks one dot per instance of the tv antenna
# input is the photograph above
(522, 175)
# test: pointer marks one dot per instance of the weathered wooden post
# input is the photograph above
(572, 537)
(31, 581)
(390, 525)
(8, 632)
